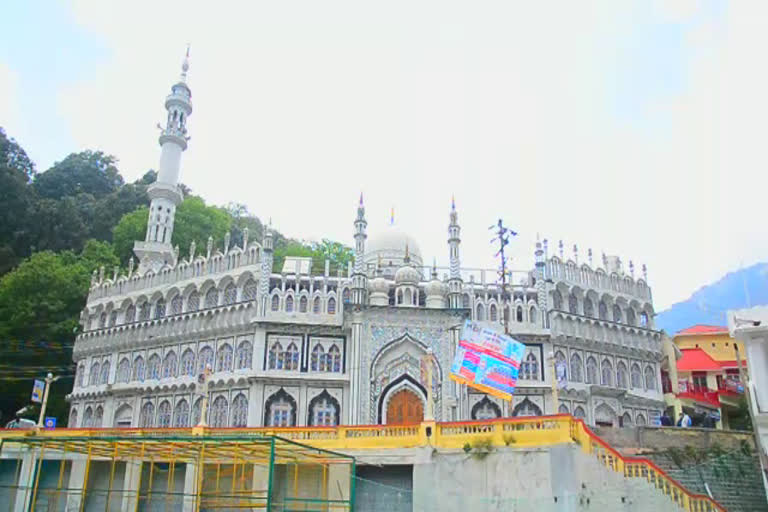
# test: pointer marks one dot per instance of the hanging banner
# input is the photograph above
(37, 391)
(487, 360)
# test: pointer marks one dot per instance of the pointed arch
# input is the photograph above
(123, 416)
(244, 355)
(205, 359)
(230, 294)
(193, 301)
(579, 412)
(147, 415)
(250, 290)
(164, 414)
(331, 306)
(224, 357)
(576, 368)
(526, 408)
(485, 409)
(303, 304)
(181, 414)
(636, 376)
(650, 378)
(123, 371)
(219, 412)
(239, 411)
(324, 411)
(153, 367)
(591, 370)
(621, 375)
(280, 410)
(606, 373)
(289, 303)
(188, 363)
(170, 365)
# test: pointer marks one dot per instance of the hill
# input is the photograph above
(709, 304)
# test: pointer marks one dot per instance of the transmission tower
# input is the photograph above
(502, 237)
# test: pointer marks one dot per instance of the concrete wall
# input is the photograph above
(630, 441)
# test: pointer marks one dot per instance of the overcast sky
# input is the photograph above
(634, 128)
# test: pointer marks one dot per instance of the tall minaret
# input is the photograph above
(164, 194)
(266, 268)
(454, 279)
(541, 287)
(359, 278)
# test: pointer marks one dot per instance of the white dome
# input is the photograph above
(436, 288)
(389, 246)
(407, 275)
(379, 285)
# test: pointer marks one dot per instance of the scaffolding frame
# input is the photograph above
(225, 471)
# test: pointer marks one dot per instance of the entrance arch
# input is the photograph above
(409, 402)
(605, 416)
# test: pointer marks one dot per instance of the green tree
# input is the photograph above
(16, 202)
(89, 172)
(194, 221)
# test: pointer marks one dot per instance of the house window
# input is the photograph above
(93, 377)
(147, 415)
(250, 290)
(72, 419)
(124, 370)
(164, 414)
(480, 316)
(573, 304)
(557, 300)
(212, 298)
(144, 312)
(591, 370)
(280, 410)
(170, 363)
(280, 359)
(193, 302)
(331, 306)
(576, 369)
(324, 414)
(176, 304)
(240, 411)
(219, 412)
(230, 294)
(616, 313)
(113, 318)
(485, 410)
(621, 375)
(303, 304)
(316, 305)
(530, 367)
(224, 358)
(603, 311)
(244, 355)
(650, 378)
(289, 304)
(130, 314)
(606, 373)
(494, 313)
(275, 303)
(588, 309)
(188, 363)
(205, 359)
(159, 308)
(105, 373)
(138, 369)
(153, 367)
(181, 414)
(88, 418)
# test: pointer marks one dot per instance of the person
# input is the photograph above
(684, 421)
(666, 421)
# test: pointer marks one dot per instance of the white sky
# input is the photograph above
(633, 128)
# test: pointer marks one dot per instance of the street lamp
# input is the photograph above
(49, 379)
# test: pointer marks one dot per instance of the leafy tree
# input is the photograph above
(60, 224)
(242, 219)
(337, 253)
(90, 172)
(194, 221)
(16, 201)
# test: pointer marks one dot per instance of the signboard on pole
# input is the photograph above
(50, 422)
(37, 391)
(487, 360)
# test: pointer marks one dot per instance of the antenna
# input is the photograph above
(503, 235)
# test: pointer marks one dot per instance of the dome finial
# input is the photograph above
(185, 66)
(407, 258)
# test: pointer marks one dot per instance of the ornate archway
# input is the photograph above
(408, 394)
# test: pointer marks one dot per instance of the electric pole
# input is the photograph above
(503, 234)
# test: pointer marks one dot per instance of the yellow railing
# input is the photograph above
(523, 432)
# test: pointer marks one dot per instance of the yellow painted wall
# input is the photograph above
(720, 347)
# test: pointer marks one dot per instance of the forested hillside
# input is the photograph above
(56, 227)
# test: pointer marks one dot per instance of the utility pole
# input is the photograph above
(502, 237)
(49, 379)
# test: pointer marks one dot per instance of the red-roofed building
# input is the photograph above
(705, 379)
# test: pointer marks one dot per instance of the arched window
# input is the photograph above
(563, 409)
(530, 368)
(345, 296)
(176, 304)
(557, 300)
(292, 357)
(193, 302)
(239, 411)
(113, 319)
(480, 316)
(170, 364)
(331, 306)
(636, 377)
(188, 363)
(124, 370)
(205, 359)
(465, 301)
(640, 421)
(485, 410)
(650, 378)
(588, 309)
(643, 321)
(603, 311)
(576, 368)
(130, 314)
(88, 418)
(164, 414)
(147, 415)
(324, 412)
(276, 358)
(606, 374)
(104, 379)
(102, 320)
(224, 358)
(275, 302)
(289, 304)
(160, 308)
(399, 296)
(219, 412)
(98, 417)
(626, 420)
(316, 305)
(621, 375)
(72, 423)
(318, 358)
(153, 367)
(93, 377)
(250, 290)
(519, 313)
(573, 304)
(631, 316)
(579, 412)
(280, 410)
(230, 294)
(494, 313)
(334, 359)
(591, 370)
(144, 312)
(138, 369)
(244, 355)
(616, 313)
(526, 408)
(196, 411)
(532, 315)
(212, 298)
(181, 414)
(561, 366)
(303, 304)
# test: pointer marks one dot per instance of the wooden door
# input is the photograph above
(404, 408)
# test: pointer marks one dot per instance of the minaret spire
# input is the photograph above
(454, 278)
(359, 277)
(164, 194)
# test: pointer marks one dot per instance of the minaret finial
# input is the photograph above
(392, 216)
(185, 66)
(576, 253)
(645, 273)
(361, 199)
(589, 255)
(407, 258)
(560, 248)
(453, 202)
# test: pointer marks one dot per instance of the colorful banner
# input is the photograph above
(487, 360)
(37, 391)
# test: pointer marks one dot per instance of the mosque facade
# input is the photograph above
(292, 347)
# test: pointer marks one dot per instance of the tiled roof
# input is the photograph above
(703, 329)
(696, 360)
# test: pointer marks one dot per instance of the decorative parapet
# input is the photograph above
(596, 278)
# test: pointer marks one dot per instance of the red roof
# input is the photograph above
(696, 360)
(703, 329)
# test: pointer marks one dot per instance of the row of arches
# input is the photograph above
(604, 374)
(491, 312)
(288, 357)
(288, 303)
(598, 278)
(602, 308)
(486, 409)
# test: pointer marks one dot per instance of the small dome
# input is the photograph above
(379, 285)
(407, 275)
(389, 246)
(436, 288)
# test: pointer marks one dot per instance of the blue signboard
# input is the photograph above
(50, 422)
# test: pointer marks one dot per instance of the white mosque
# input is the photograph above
(288, 347)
